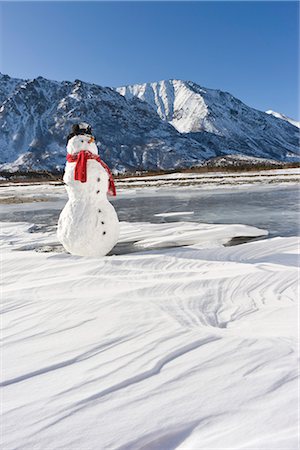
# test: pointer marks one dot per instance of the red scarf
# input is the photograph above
(80, 173)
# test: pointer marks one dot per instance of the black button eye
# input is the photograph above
(82, 141)
(99, 210)
(98, 179)
(102, 223)
(97, 192)
(104, 232)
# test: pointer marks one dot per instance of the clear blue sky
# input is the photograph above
(246, 48)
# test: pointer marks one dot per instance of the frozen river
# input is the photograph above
(273, 208)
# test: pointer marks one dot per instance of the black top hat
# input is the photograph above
(79, 128)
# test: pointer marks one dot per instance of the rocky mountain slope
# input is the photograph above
(36, 118)
(218, 120)
(163, 125)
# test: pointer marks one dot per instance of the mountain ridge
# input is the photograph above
(213, 117)
(281, 116)
(181, 124)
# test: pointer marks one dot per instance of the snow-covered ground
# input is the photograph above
(181, 343)
(191, 347)
(214, 180)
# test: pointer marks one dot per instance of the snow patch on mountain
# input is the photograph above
(174, 102)
(283, 117)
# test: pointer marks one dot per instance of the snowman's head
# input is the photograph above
(80, 142)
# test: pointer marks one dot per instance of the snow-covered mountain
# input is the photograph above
(37, 115)
(283, 117)
(7, 86)
(184, 105)
(163, 125)
(218, 120)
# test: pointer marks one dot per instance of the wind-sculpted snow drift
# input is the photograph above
(162, 125)
(181, 348)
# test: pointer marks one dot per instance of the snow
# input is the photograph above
(284, 117)
(148, 235)
(175, 213)
(213, 179)
(169, 97)
(181, 348)
(218, 174)
(174, 102)
(191, 108)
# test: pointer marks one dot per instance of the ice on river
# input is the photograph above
(180, 348)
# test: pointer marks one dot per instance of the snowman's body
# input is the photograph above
(88, 224)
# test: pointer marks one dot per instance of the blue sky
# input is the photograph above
(246, 48)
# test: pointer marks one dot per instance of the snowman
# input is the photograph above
(88, 225)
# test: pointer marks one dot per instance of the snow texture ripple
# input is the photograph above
(176, 348)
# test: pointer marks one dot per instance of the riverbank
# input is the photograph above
(176, 179)
(25, 178)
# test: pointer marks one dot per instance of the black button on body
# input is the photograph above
(104, 232)
(97, 192)
(99, 210)
(98, 179)
(102, 223)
